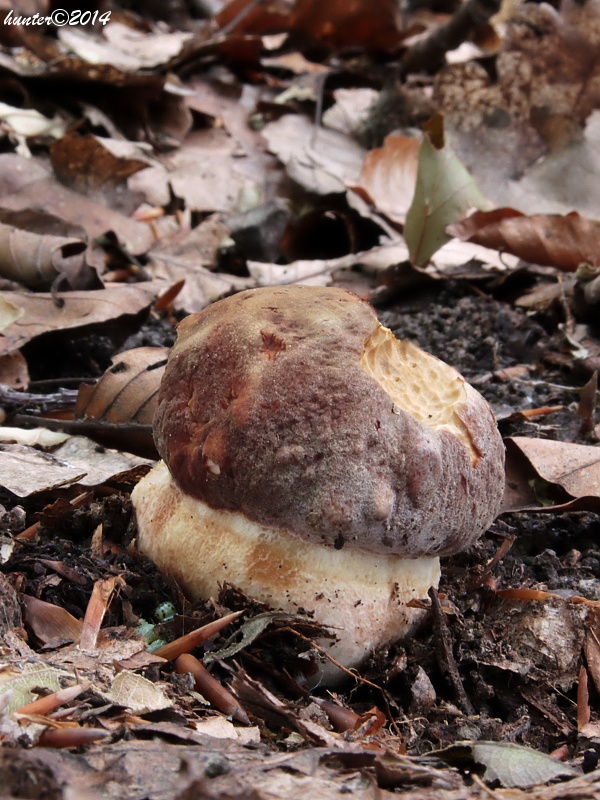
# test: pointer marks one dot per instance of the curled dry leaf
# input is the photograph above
(389, 175)
(126, 394)
(78, 310)
(320, 160)
(86, 163)
(572, 468)
(48, 621)
(35, 247)
(550, 240)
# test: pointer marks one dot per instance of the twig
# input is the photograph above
(445, 655)
(427, 55)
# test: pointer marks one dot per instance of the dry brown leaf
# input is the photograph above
(79, 310)
(26, 471)
(544, 475)
(337, 23)
(321, 160)
(205, 172)
(389, 175)
(27, 183)
(125, 394)
(127, 390)
(550, 240)
(85, 163)
(35, 247)
(50, 622)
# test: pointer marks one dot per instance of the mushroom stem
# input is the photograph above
(362, 596)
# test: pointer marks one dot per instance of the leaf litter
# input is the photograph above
(170, 162)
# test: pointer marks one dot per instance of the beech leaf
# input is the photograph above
(538, 469)
(444, 192)
(550, 240)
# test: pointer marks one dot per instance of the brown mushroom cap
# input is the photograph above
(294, 407)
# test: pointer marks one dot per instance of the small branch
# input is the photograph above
(428, 54)
(445, 655)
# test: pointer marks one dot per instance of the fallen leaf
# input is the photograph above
(26, 471)
(444, 192)
(136, 693)
(517, 766)
(49, 622)
(124, 47)
(321, 160)
(127, 390)
(389, 175)
(550, 240)
(22, 682)
(575, 468)
(26, 184)
(339, 24)
(9, 313)
(41, 314)
(35, 247)
(85, 163)
(97, 465)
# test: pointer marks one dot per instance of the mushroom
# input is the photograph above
(317, 462)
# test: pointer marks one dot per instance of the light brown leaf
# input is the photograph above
(49, 622)
(127, 390)
(26, 183)
(85, 163)
(126, 393)
(35, 247)
(79, 309)
(320, 160)
(572, 468)
(26, 471)
(550, 240)
(389, 175)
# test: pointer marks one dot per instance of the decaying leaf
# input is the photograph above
(512, 765)
(35, 247)
(389, 175)
(49, 622)
(444, 192)
(41, 314)
(551, 240)
(136, 693)
(320, 160)
(572, 468)
(22, 681)
(26, 471)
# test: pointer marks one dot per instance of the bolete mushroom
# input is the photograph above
(317, 462)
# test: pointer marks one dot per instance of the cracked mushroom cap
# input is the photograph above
(294, 407)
